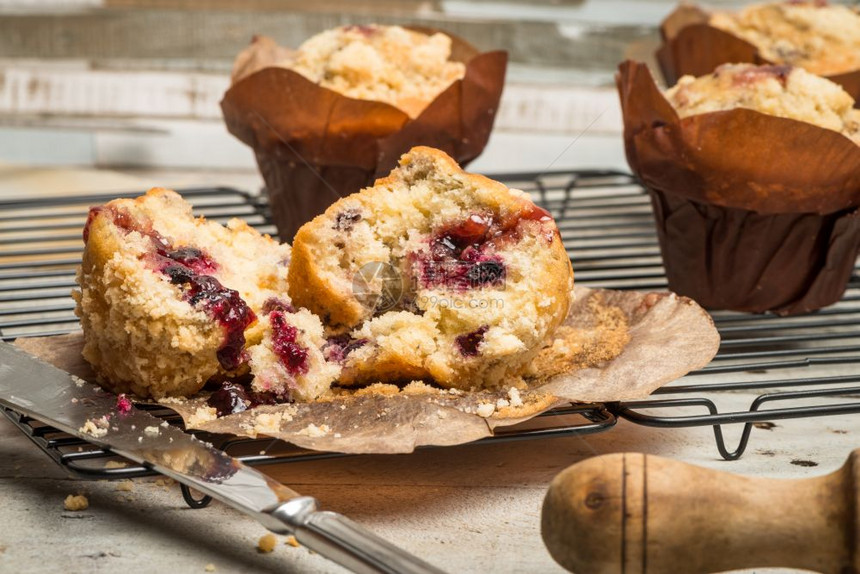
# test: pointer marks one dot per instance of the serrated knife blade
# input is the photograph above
(55, 397)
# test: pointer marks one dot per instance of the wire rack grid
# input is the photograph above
(800, 366)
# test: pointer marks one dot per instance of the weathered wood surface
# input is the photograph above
(585, 34)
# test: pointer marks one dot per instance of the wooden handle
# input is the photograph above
(636, 514)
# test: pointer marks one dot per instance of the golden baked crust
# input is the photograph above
(381, 267)
(390, 64)
(782, 91)
(823, 39)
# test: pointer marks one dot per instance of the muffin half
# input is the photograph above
(433, 273)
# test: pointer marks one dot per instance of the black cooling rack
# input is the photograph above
(801, 366)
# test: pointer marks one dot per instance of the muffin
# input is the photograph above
(330, 118)
(754, 177)
(433, 273)
(823, 39)
(168, 302)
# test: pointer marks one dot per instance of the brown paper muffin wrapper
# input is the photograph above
(614, 345)
(692, 46)
(754, 212)
(728, 258)
(314, 145)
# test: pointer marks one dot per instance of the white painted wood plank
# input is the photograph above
(38, 91)
(44, 92)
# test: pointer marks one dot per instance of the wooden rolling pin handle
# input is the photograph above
(637, 514)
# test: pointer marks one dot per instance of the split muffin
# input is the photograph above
(433, 273)
(168, 302)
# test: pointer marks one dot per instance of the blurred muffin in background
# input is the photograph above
(331, 117)
(821, 38)
(754, 174)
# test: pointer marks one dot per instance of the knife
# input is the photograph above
(68, 403)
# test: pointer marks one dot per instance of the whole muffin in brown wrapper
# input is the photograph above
(314, 145)
(754, 212)
(695, 41)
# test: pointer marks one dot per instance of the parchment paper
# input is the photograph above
(614, 345)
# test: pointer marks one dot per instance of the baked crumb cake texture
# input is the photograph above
(390, 64)
(822, 38)
(783, 91)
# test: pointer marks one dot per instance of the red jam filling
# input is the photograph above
(233, 397)
(292, 354)
(756, 74)
(123, 405)
(190, 268)
(468, 344)
(338, 348)
(463, 256)
(275, 304)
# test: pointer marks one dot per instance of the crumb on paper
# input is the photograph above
(514, 397)
(170, 400)
(76, 502)
(152, 431)
(485, 410)
(209, 568)
(125, 485)
(267, 543)
(79, 382)
(202, 415)
(441, 414)
(420, 388)
(95, 427)
(314, 431)
(268, 423)
(291, 541)
(164, 482)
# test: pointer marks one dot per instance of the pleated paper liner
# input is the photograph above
(692, 46)
(754, 212)
(314, 145)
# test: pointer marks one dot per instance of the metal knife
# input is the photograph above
(44, 392)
